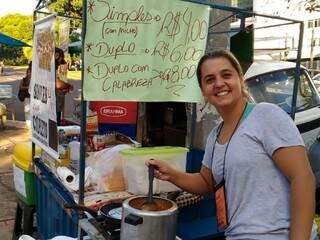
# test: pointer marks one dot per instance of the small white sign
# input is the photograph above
(18, 179)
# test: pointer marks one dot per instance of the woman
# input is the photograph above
(257, 154)
(24, 95)
(62, 86)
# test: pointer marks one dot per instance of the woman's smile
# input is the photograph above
(222, 93)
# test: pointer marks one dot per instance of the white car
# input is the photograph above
(316, 81)
(273, 82)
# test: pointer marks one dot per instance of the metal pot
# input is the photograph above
(137, 224)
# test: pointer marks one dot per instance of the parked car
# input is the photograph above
(316, 81)
(273, 82)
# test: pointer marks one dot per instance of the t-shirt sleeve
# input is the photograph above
(207, 157)
(277, 129)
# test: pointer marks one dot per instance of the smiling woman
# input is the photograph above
(254, 160)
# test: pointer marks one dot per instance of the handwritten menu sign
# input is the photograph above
(144, 50)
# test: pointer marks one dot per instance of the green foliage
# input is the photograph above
(71, 8)
(17, 25)
(74, 37)
(27, 51)
(20, 27)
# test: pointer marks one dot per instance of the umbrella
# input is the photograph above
(10, 41)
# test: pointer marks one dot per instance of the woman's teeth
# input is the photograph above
(222, 93)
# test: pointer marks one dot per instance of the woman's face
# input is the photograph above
(221, 83)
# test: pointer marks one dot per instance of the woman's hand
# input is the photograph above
(63, 86)
(198, 183)
(162, 170)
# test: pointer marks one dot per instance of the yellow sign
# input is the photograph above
(136, 52)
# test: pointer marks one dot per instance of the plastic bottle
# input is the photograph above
(63, 149)
(74, 148)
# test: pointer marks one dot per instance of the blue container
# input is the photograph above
(129, 130)
(199, 220)
(52, 218)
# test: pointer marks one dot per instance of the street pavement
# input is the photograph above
(14, 132)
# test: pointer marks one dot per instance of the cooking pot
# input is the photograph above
(137, 224)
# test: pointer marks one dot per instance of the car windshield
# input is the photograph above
(316, 81)
(277, 87)
(316, 77)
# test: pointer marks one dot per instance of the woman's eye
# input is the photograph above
(209, 80)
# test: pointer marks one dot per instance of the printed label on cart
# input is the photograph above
(18, 178)
(113, 111)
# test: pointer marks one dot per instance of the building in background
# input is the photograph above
(281, 42)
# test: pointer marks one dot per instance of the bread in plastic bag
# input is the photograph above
(107, 169)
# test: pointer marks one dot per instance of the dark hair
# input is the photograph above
(60, 60)
(58, 50)
(219, 54)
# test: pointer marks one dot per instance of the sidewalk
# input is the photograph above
(15, 131)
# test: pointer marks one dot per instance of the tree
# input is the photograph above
(20, 27)
(72, 8)
(27, 51)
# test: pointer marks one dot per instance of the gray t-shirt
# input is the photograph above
(258, 194)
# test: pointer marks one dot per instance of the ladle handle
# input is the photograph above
(151, 177)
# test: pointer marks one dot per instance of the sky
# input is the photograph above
(17, 6)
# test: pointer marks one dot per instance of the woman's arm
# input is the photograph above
(198, 183)
(63, 86)
(294, 164)
(22, 86)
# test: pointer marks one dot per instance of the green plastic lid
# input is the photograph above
(154, 150)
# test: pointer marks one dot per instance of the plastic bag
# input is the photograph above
(107, 169)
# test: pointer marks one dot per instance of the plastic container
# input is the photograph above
(23, 176)
(136, 172)
(74, 148)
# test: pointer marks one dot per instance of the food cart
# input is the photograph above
(58, 209)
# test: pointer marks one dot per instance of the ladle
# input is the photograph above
(150, 204)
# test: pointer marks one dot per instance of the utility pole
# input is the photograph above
(312, 6)
(311, 49)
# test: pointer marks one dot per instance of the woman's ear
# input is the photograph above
(242, 80)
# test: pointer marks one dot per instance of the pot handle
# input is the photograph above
(93, 212)
(133, 219)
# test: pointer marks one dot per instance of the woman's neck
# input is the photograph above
(231, 115)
